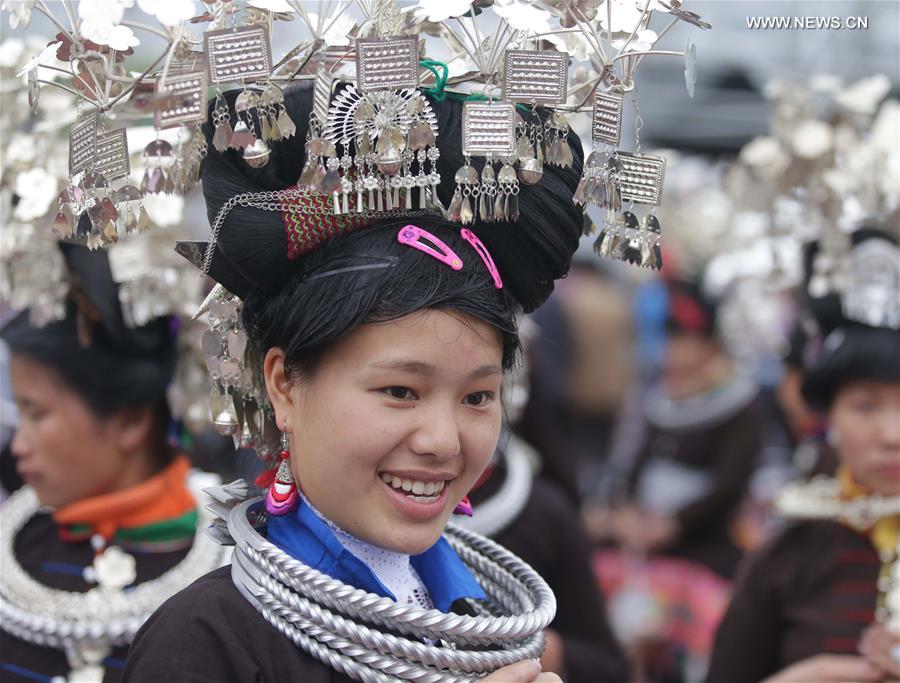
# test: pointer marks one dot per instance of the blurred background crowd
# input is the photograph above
(658, 415)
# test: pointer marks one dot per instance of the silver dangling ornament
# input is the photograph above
(221, 121)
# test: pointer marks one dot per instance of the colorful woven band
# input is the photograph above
(308, 223)
(309, 218)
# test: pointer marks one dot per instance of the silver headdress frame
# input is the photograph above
(371, 140)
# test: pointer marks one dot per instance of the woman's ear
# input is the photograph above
(135, 426)
(278, 387)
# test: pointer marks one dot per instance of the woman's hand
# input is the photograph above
(657, 532)
(877, 645)
(528, 671)
(829, 669)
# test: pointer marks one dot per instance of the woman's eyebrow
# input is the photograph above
(428, 370)
(486, 371)
(412, 366)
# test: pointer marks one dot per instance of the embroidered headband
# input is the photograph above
(308, 220)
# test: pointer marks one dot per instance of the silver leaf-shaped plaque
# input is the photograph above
(111, 160)
(387, 63)
(82, 137)
(489, 128)
(322, 94)
(180, 99)
(641, 177)
(537, 76)
(237, 344)
(211, 342)
(606, 121)
(242, 54)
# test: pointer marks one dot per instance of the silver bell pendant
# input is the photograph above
(257, 154)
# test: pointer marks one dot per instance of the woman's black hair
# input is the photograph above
(852, 354)
(107, 364)
(366, 275)
(691, 311)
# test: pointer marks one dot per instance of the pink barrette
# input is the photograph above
(413, 236)
(485, 255)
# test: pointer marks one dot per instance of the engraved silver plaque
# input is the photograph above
(535, 75)
(81, 144)
(641, 177)
(111, 160)
(322, 94)
(180, 99)
(387, 63)
(236, 55)
(489, 128)
(606, 121)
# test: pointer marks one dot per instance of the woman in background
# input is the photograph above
(820, 601)
(105, 528)
(668, 577)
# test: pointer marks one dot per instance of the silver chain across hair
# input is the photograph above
(333, 621)
(275, 201)
(99, 618)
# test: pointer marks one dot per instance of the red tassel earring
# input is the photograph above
(282, 497)
(463, 507)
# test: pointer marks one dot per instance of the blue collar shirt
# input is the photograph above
(307, 538)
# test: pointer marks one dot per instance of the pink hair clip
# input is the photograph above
(485, 255)
(413, 236)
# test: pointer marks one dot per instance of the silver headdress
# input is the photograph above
(371, 145)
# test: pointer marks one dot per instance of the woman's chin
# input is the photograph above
(46, 497)
(411, 539)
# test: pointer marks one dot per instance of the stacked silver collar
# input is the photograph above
(335, 622)
(820, 498)
(84, 625)
(703, 410)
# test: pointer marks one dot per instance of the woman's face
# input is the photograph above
(63, 450)
(864, 420)
(689, 358)
(395, 426)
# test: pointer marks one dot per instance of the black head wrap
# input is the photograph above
(690, 309)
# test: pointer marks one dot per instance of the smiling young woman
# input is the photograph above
(380, 344)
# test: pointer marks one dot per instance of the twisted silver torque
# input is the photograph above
(336, 623)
